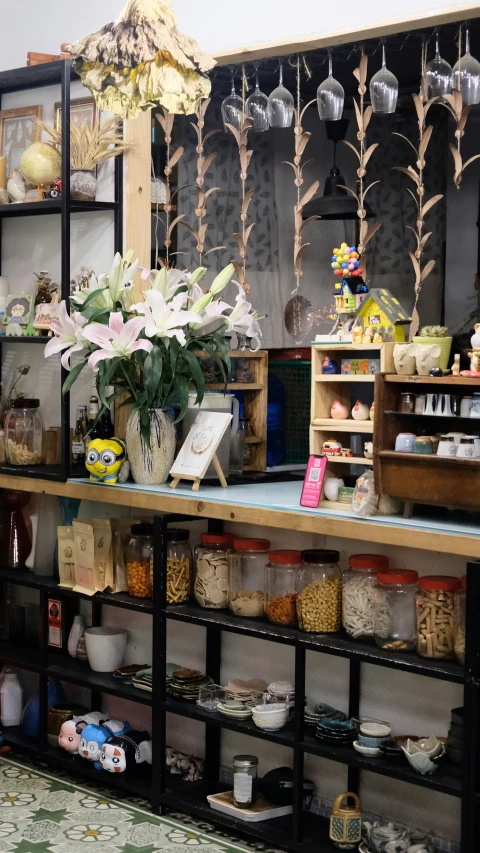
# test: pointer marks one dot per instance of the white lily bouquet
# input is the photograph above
(149, 349)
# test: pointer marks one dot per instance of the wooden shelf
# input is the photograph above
(430, 458)
(235, 386)
(350, 460)
(347, 425)
(434, 380)
(344, 377)
(349, 347)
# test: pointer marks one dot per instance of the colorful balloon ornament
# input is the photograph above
(346, 261)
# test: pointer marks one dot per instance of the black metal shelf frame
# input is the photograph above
(53, 74)
(302, 830)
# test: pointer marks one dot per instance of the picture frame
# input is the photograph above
(18, 130)
(200, 449)
(19, 308)
(81, 110)
(45, 312)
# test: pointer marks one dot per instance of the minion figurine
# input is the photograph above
(106, 460)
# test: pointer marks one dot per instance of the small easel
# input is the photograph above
(198, 480)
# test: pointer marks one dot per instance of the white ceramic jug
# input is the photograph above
(215, 401)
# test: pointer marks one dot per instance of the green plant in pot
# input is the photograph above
(436, 335)
(146, 349)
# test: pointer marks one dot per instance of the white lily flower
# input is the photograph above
(119, 276)
(165, 281)
(165, 319)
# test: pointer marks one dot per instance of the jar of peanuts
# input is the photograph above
(179, 566)
(139, 556)
(460, 620)
(319, 592)
(280, 587)
(435, 634)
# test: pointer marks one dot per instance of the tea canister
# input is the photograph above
(346, 822)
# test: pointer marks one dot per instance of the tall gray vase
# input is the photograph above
(150, 465)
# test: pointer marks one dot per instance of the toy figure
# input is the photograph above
(367, 335)
(93, 738)
(357, 335)
(56, 188)
(124, 752)
(329, 365)
(71, 730)
(456, 365)
(105, 459)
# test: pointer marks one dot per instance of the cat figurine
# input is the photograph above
(125, 752)
(93, 738)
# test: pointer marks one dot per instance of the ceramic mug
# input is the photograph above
(444, 406)
(430, 406)
(475, 410)
(426, 358)
(404, 359)
(465, 407)
(466, 448)
(423, 445)
(446, 446)
(404, 442)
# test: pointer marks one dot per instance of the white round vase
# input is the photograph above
(151, 465)
(105, 648)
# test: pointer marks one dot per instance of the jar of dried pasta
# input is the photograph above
(139, 556)
(246, 570)
(179, 566)
(434, 602)
(358, 592)
(24, 433)
(280, 587)
(460, 620)
(210, 586)
(319, 592)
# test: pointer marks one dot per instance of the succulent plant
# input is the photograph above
(434, 332)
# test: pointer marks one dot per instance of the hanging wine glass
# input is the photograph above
(384, 89)
(280, 104)
(232, 107)
(438, 74)
(466, 75)
(330, 96)
(257, 106)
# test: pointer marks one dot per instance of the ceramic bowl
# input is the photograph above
(268, 725)
(455, 756)
(457, 716)
(365, 750)
(456, 731)
(431, 746)
(370, 742)
(105, 648)
(421, 762)
(454, 742)
(377, 729)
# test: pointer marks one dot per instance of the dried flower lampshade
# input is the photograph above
(141, 61)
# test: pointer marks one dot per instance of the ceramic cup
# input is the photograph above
(105, 648)
(331, 487)
(465, 407)
(404, 442)
(426, 358)
(419, 404)
(444, 406)
(456, 437)
(404, 358)
(475, 410)
(466, 448)
(430, 406)
(446, 446)
(423, 445)
(476, 440)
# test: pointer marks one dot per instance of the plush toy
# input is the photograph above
(93, 738)
(188, 767)
(105, 459)
(124, 752)
(71, 730)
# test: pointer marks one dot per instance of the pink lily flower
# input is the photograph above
(118, 339)
(68, 335)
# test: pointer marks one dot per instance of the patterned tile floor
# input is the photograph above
(41, 813)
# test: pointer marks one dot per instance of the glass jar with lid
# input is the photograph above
(179, 566)
(246, 570)
(281, 586)
(139, 560)
(211, 570)
(24, 433)
(358, 590)
(460, 620)
(245, 782)
(435, 616)
(394, 626)
(319, 592)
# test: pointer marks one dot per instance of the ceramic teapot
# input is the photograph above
(385, 837)
(404, 359)
(427, 357)
(346, 821)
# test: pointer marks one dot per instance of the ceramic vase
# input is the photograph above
(83, 185)
(445, 345)
(404, 359)
(105, 648)
(427, 357)
(151, 465)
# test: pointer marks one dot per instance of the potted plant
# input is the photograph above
(436, 335)
(147, 349)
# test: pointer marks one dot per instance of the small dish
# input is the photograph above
(371, 742)
(375, 730)
(359, 721)
(366, 750)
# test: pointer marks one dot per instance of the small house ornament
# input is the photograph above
(381, 308)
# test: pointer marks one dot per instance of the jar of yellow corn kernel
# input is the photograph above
(319, 592)
(139, 554)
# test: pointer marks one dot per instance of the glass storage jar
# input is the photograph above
(319, 592)
(460, 620)
(24, 433)
(246, 569)
(211, 570)
(435, 616)
(358, 585)
(280, 587)
(245, 782)
(394, 626)
(139, 559)
(179, 566)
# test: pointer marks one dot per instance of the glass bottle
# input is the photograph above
(280, 587)
(237, 448)
(245, 771)
(211, 570)
(459, 620)
(139, 557)
(78, 443)
(246, 569)
(92, 428)
(394, 625)
(319, 592)
(24, 432)
(358, 593)
(434, 601)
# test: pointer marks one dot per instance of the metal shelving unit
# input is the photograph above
(61, 74)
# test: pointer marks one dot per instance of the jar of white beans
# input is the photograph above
(358, 585)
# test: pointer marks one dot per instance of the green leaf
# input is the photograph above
(73, 376)
(220, 342)
(152, 373)
(97, 315)
(197, 376)
(181, 387)
(218, 361)
(110, 367)
(91, 298)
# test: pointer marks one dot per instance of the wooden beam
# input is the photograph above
(138, 210)
(313, 42)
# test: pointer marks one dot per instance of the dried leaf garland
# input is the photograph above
(166, 121)
(454, 104)
(203, 165)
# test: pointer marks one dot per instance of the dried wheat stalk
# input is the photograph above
(166, 121)
(245, 155)
(454, 104)
(90, 146)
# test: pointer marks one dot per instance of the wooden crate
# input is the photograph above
(416, 478)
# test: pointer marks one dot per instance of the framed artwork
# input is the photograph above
(18, 130)
(200, 447)
(19, 309)
(44, 314)
(82, 111)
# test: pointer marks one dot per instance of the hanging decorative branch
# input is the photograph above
(454, 104)
(166, 122)
(245, 155)
(203, 165)
(423, 205)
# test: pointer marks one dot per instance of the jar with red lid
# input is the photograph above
(246, 577)
(460, 620)
(358, 591)
(319, 592)
(280, 587)
(435, 630)
(394, 625)
(211, 570)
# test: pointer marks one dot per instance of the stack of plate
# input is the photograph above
(282, 691)
(171, 668)
(185, 684)
(245, 691)
(336, 732)
(234, 709)
(316, 713)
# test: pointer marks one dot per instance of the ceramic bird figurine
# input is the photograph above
(141, 61)
(16, 187)
(360, 412)
(105, 459)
